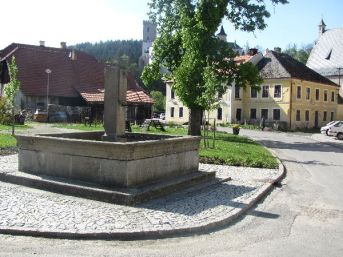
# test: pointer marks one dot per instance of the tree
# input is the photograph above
(12, 87)
(200, 64)
(300, 54)
(160, 101)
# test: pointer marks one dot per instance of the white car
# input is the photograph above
(325, 129)
(336, 130)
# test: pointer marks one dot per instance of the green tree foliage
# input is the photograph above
(160, 101)
(200, 64)
(300, 54)
(124, 52)
(12, 88)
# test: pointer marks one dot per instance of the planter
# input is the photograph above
(235, 131)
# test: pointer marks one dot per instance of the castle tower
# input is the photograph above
(322, 27)
(222, 35)
(149, 35)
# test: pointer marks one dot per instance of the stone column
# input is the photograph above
(114, 103)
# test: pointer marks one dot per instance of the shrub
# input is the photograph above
(5, 111)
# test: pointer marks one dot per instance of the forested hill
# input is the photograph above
(113, 50)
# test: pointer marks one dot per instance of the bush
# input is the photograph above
(5, 112)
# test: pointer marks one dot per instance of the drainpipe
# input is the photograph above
(290, 106)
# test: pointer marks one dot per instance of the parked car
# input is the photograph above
(325, 129)
(337, 130)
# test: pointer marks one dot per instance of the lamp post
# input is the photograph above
(47, 71)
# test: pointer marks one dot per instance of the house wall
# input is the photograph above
(313, 105)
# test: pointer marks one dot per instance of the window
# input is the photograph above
(264, 114)
(172, 94)
(238, 114)
(237, 92)
(253, 114)
(277, 91)
(220, 95)
(172, 112)
(324, 116)
(307, 115)
(181, 112)
(219, 113)
(298, 92)
(308, 93)
(332, 96)
(317, 94)
(297, 117)
(331, 116)
(265, 91)
(325, 95)
(253, 92)
(276, 114)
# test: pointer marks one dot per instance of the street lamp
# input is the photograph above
(47, 71)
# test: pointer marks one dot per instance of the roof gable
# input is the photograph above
(279, 65)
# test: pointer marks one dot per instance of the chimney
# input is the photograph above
(63, 45)
(252, 51)
(277, 49)
(41, 43)
(73, 55)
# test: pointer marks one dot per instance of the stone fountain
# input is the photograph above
(114, 166)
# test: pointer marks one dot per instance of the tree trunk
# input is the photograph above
(13, 120)
(194, 127)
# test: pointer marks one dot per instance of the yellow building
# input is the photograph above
(291, 96)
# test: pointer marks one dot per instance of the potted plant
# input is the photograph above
(235, 129)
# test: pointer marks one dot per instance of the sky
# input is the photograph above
(78, 21)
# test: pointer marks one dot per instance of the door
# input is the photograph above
(316, 119)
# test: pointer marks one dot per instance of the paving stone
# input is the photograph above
(27, 208)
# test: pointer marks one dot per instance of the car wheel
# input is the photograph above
(340, 136)
(327, 132)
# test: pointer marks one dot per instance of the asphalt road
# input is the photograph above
(302, 217)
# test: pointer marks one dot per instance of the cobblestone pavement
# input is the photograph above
(27, 209)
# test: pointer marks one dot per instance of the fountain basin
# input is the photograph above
(137, 160)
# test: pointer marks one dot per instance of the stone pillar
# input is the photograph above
(114, 103)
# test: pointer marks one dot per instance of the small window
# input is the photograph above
(277, 91)
(172, 94)
(253, 114)
(238, 114)
(332, 96)
(253, 92)
(325, 95)
(324, 116)
(237, 92)
(264, 114)
(307, 115)
(276, 114)
(172, 112)
(297, 118)
(181, 112)
(298, 92)
(219, 113)
(317, 94)
(331, 116)
(308, 93)
(265, 91)
(220, 95)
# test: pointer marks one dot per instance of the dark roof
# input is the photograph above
(233, 45)
(276, 65)
(222, 32)
(327, 54)
(83, 75)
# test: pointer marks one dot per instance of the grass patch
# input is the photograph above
(229, 149)
(9, 127)
(79, 126)
(7, 141)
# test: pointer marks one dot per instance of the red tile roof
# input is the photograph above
(69, 78)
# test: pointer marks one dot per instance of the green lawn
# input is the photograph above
(79, 126)
(7, 141)
(9, 127)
